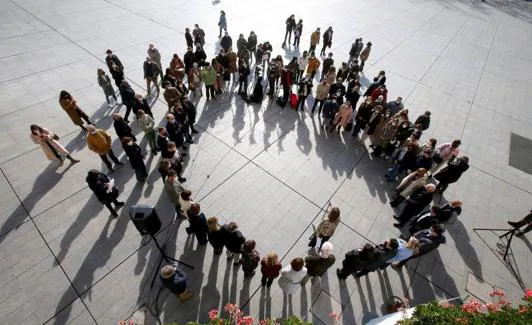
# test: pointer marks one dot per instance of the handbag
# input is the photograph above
(313, 240)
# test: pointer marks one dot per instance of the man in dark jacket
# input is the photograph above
(115, 67)
(122, 129)
(374, 85)
(330, 108)
(425, 220)
(175, 280)
(450, 212)
(356, 48)
(338, 89)
(382, 253)
(451, 173)
(290, 25)
(188, 37)
(189, 59)
(151, 71)
(362, 116)
(327, 39)
(252, 46)
(273, 77)
(199, 56)
(317, 265)
(395, 106)
(424, 120)
(175, 132)
(415, 203)
(105, 191)
(356, 260)
(233, 241)
(429, 240)
(128, 97)
(226, 42)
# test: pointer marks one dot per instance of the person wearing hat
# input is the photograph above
(99, 142)
(317, 265)
(314, 40)
(115, 67)
(175, 280)
(364, 55)
(155, 56)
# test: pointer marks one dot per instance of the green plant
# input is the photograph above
(499, 312)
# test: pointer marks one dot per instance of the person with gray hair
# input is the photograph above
(175, 280)
(415, 203)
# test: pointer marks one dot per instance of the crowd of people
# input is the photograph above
(393, 135)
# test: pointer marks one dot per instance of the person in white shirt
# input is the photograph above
(292, 275)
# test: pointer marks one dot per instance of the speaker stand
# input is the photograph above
(167, 258)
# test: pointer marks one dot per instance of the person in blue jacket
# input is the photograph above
(175, 280)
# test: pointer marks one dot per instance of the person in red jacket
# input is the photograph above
(380, 91)
(270, 268)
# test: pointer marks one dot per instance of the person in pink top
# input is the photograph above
(446, 152)
(343, 117)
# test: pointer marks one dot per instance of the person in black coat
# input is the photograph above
(383, 252)
(136, 158)
(122, 129)
(424, 120)
(404, 160)
(175, 133)
(226, 42)
(216, 235)
(243, 74)
(424, 159)
(170, 78)
(327, 39)
(415, 203)
(188, 37)
(252, 45)
(429, 240)
(198, 223)
(115, 67)
(105, 192)
(141, 103)
(233, 241)
(128, 97)
(362, 116)
(425, 220)
(175, 280)
(451, 173)
(305, 89)
(450, 212)
(190, 110)
(355, 261)
(189, 59)
(199, 56)
(290, 26)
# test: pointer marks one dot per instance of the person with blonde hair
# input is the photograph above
(270, 268)
(405, 250)
(175, 280)
(216, 235)
(327, 226)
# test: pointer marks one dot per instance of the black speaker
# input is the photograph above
(145, 219)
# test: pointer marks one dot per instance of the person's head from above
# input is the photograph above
(167, 271)
(432, 142)
(435, 210)
(292, 16)
(165, 163)
(430, 188)
(375, 79)
(151, 46)
(252, 33)
(162, 131)
(117, 116)
(391, 244)
(399, 100)
(64, 95)
(226, 33)
(195, 208)
(339, 80)
(127, 141)
(249, 245)
(272, 258)
(212, 224)
(368, 249)
(101, 72)
(464, 159)
(411, 147)
(91, 129)
(334, 214)
(207, 64)
(329, 29)
(196, 26)
(109, 53)
(35, 129)
(382, 73)
(222, 12)
(369, 44)
(232, 226)
(93, 174)
(427, 113)
(405, 124)
(187, 30)
(437, 230)
(456, 143)
(330, 55)
(297, 264)
(170, 118)
(305, 53)
(427, 153)
(185, 195)
(334, 98)
(300, 21)
(124, 83)
(139, 98)
(421, 172)
(387, 114)
(171, 146)
(198, 47)
(171, 175)
(455, 203)
(380, 99)
(326, 249)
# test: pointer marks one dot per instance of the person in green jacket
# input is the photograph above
(147, 126)
(208, 76)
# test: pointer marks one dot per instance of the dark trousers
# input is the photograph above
(209, 91)
(266, 281)
(110, 207)
(289, 34)
(311, 49)
(128, 111)
(113, 158)
(296, 40)
(359, 125)
(301, 100)
(273, 85)
(243, 83)
(362, 65)
(316, 101)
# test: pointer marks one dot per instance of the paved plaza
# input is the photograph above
(65, 260)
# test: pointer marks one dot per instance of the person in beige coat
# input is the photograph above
(49, 144)
(70, 106)
(344, 116)
(100, 142)
(322, 91)
(364, 55)
(409, 184)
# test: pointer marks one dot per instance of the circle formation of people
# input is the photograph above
(392, 134)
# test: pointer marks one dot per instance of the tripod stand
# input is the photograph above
(167, 258)
(508, 235)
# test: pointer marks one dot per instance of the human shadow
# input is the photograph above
(210, 295)
(463, 244)
(303, 137)
(238, 120)
(372, 170)
(348, 316)
(244, 296)
(368, 311)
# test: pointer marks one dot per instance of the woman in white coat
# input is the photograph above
(48, 142)
(292, 275)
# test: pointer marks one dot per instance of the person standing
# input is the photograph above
(290, 25)
(226, 42)
(451, 173)
(47, 140)
(208, 76)
(173, 189)
(270, 269)
(415, 204)
(327, 64)
(141, 103)
(364, 55)
(408, 185)
(232, 65)
(222, 23)
(292, 275)
(314, 40)
(199, 35)
(343, 118)
(136, 159)
(216, 235)
(70, 106)
(446, 152)
(305, 89)
(243, 74)
(194, 80)
(155, 56)
(327, 226)
(122, 129)
(313, 65)
(250, 258)
(177, 66)
(302, 63)
(252, 46)
(404, 161)
(115, 67)
(330, 107)
(233, 242)
(423, 120)
(175, 280)
(188, 38)
(298, 30)
(151, 71)
(362, 116)
(171, 95)
(327, 40)
(198, 223)
(395, 106)
(317, 265)
(527, 220)
(322, 91)
(128, 97)
(356, 48)
(107, 86)
(274, 74)
(104, 189)
(99, 142)
(199, 56)
(147, 125)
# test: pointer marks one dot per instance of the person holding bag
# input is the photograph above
(104, 189)
(326, 228)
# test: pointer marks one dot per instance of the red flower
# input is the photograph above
(461, 320)
(492, 308)
(528, 294)
(213, 314)
(230, 308)
(245, 320)
(334, 316)
(523, 309)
